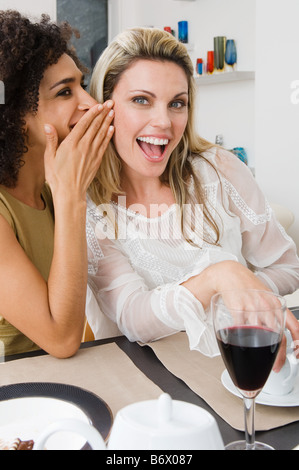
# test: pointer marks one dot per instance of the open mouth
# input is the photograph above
(153, 147)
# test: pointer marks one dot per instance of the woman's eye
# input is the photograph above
(178, 104)
(64, 92)
(140, 100)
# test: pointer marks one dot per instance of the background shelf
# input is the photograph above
(223, 77)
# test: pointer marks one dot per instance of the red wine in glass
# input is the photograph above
(249, 326)
(249, 354)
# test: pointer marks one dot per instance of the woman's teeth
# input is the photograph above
(153, 140)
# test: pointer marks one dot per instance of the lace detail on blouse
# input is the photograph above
(210, 191)
(250, 214)
(94, 250)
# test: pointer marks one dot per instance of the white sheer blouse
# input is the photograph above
(136, 278)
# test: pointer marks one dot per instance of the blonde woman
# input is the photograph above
(178, 219)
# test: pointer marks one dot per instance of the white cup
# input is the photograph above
(283, 382)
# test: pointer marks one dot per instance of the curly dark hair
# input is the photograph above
(27, 49)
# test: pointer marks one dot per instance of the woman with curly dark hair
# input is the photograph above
(50, 130)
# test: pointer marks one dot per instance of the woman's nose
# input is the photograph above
(86, 101)
(161, 118)
(84, 106)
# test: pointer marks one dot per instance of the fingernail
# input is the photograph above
(111, 113)
(48, 129)
(100, 107)
(109, 104)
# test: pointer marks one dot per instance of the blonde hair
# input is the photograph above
(149, 44)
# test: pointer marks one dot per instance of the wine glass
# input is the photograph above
(231, 53)
(249, 325)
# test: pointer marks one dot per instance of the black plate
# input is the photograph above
(97, 411)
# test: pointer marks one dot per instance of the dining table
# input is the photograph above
(121, 372)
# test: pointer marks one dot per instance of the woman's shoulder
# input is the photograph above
(5, 210)
(219, 162)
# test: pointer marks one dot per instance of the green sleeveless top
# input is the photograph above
(34, 230)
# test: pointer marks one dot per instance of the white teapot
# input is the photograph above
(153, 424)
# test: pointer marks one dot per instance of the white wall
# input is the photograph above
(276, 117)
(33, 8)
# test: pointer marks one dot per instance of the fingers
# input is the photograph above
(98, 149)
(97, 137)
(292, 324)
(50, 151)
(83, 124)
(77, 158)
(97, 132)
(51, 140)
(103, 136)
(92, 121)
(102, 142)
(281, 356)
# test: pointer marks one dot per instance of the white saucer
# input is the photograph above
(292, 399)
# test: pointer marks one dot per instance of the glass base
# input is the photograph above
(241, 445)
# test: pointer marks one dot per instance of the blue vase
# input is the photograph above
(230, 52)
(240, 152)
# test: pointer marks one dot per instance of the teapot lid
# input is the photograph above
(167, 414)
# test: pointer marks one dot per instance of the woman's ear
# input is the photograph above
(29, 124)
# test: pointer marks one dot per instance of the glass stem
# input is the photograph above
(249, 406)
